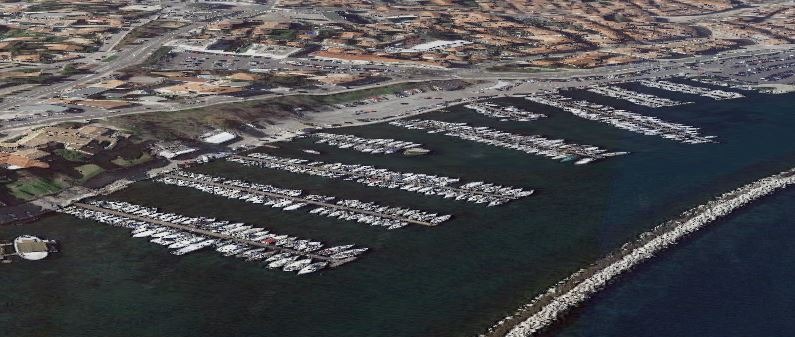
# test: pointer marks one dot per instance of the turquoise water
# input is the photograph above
(452, 280)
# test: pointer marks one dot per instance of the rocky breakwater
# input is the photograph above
(547, 308)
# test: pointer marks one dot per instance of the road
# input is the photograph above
(130, 56)
(529, 83)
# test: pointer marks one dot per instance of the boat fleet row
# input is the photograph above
(622, 119)
(636, 97)
(365, 145)
(288, 200)
(694, 90)
(731, 83)
(184, 234)
(567, 294)
(556, 149)
(504, 113)
(477, 192)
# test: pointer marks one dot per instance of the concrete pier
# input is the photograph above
(300, 199)
(6, 251)
(450, 188)
(332, 262)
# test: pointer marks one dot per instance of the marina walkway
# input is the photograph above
(300, 199)
(310, 167)
(332, 262)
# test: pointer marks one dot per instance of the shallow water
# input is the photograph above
(452, 280)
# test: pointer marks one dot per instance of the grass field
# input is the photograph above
(70, 155)
(120, 161)
(32, 188)
(88, 171)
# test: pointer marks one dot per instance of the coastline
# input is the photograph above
(547, 308)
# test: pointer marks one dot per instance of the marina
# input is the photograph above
(548, 307)
(504, 113)
(475, 269)
(556, 149)
(622, 119)
(364, 145)
(288, 200)
(186, 234)
(477, 192)
(694, 90)
(634, 97)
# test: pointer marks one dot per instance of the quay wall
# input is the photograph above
(546, 308)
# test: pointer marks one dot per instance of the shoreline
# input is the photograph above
(549, 307)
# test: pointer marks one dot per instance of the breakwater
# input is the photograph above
(548, 307)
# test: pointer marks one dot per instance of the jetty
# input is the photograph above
(622, 119)
(212, 234)
(693, 90)
(225, 187)
(477, 192)
(6, 251)
(634, 97)
(545, 309)
(556, 149)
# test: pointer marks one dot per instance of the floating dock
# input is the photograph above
(299, 199)
(331, 261)
(288, 163)
(6, 251)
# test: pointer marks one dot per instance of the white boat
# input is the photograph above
(312, 267)
(297, 265)
(280, 263)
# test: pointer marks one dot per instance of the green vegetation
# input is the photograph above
(69, 70)
(71, 155)
(110, 58)
(42, 79)
(521, 69)
(284, 34)
(120, 161)
(351, 96)
(159, 55)
(13, 32)
(88, 171)
(290, 81)
(32, 188)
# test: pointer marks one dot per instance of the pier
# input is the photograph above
(299, 199)
(556, 149)
(332, 262)
(6, 251)
(364, 145)
(281, 163)
(647, 100)
(693, 90)
(622, 119)
(504, 113)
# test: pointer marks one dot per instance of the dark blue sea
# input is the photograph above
(734, 279)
